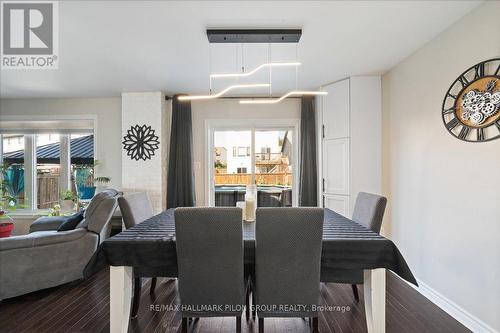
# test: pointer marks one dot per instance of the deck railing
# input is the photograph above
(261, 179)
(268, 158)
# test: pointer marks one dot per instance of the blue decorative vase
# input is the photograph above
(86, 192)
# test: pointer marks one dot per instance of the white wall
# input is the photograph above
(444, 194)
(229, 109)
(107, 136)
(146, 175)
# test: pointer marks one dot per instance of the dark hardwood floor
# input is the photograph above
(83, 306)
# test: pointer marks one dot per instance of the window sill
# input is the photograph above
(29, 213)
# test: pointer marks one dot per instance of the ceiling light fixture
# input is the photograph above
(220, 93)
(277, 100)
(255, 70)
(244, 36)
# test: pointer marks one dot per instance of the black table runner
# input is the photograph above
(150, 248)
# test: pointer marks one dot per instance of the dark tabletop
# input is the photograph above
(150, 248)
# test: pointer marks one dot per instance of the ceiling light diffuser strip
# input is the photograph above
(255, 70)
(277, 100)
(223, 92)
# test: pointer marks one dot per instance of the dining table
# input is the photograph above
(148, 250)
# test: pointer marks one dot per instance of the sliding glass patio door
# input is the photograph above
(232, 166)
(265, 156)
(273, 167)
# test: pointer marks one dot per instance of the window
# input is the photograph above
(39, 165)
(48, 170)
(241, 170)
(273, 167)
(270, 167)
(241, 151)
(13, 148)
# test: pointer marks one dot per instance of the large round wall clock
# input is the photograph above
(471, 107)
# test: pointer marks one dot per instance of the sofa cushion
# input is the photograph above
(15, 242)
(47, 223)
(41, 238)
(71, 222)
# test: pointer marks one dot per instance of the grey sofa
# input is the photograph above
(47, 258)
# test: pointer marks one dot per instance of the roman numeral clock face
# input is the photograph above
(471, 107)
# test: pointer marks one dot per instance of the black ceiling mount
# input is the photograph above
(254, 35)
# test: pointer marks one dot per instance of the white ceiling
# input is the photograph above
(108, 47)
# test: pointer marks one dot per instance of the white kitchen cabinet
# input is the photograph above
(336, 166)
(337, 203)
(351, 138)
(336, 124)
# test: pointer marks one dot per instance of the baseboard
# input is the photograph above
(453, 309)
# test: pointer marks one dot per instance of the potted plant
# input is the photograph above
(6, 201)
(55, 211)
(85, 180)
(101, 182)
(6, 224)
(67, 200)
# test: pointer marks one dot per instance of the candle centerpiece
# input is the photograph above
(250, 202)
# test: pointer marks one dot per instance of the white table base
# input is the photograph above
(121, 297)
(120, 292)
(374, 296)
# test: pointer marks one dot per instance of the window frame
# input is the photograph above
(30, 158)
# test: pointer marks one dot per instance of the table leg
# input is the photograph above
(374, 296)
(120, 294)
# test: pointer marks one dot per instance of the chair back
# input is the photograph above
(209, 244)
(286, 198)
(135, 208)
(287, 256)
(369, 210)
(97, 216)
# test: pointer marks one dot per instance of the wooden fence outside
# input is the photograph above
(48, 184)
(47, 190)
(261, 178)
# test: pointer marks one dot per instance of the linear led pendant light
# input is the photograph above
(254, 36)
(221, 93)
(261, 36)
(277, 100)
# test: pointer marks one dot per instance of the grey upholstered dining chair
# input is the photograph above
(209, 242)
(287, 261)
(136, 208)
(369, 212)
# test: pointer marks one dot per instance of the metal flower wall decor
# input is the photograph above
(140, 142)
